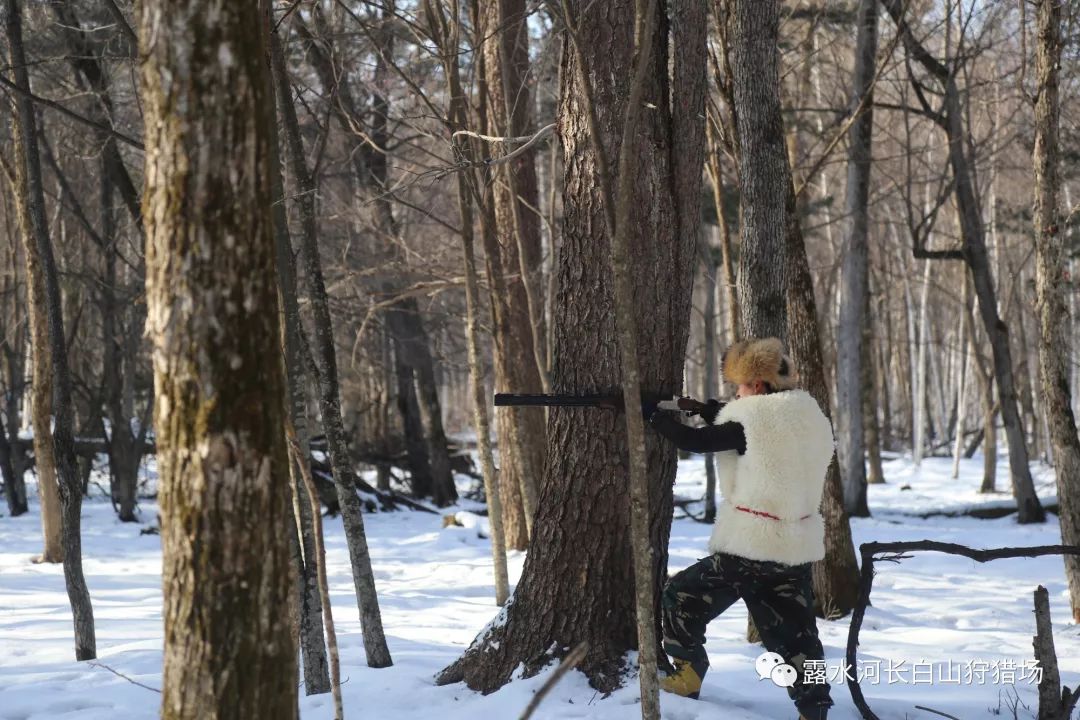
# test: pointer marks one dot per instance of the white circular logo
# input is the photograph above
(765, 664)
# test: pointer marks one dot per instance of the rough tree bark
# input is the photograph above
(325, 355)
(851, 446)
(765, 174)
(69, 484)
(213, 317)
(1049, 276)
(580, 545)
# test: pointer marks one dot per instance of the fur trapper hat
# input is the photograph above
(759, 359)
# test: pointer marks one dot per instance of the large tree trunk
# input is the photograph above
(854, 287)
(1049, 273)
(765, 174)
(1029, 509)
(325, 355)
(513, 264)
(580, 546)
(213, 316)
(50, 312)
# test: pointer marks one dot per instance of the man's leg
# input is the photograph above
(782, 606)
(691, 599)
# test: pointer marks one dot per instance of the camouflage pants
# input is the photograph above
(780, 600)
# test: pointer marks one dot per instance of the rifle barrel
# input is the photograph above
(541, 400)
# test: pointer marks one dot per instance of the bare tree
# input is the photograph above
(851, 447)
(213, 316)
(304, 544)
(951, 119)
(325, 362)
(29, 180)
(1050, 270)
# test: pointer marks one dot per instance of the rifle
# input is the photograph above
(687, 405)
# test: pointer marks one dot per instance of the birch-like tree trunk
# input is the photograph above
(69, 484)
(918, 398)
(213, 317)
(854, 286)
(1049, 275)
(30, 216)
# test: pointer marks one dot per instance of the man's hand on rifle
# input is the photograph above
(649, 405)
(707, 410)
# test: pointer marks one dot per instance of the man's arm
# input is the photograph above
(711, 438)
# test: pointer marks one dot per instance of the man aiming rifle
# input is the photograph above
(774, 445)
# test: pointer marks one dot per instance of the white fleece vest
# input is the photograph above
(789, 444)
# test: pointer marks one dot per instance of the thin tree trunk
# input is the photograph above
(63, 442)
(709, 376)
(308, 560)
(854, 287)
(870, 396)
(1049, 275)
(986, 395)
(299, 461)
(459, 120)
(919, 396)
(325, 354)
(14, 487)
(41, 400)
(715, 169)
(513, 250)
(961, 390)
(415, 447)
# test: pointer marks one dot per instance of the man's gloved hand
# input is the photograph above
(649, 406)
(711, 410)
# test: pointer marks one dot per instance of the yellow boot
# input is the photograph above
(685, 681)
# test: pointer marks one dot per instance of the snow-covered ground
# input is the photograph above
(935, 618)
